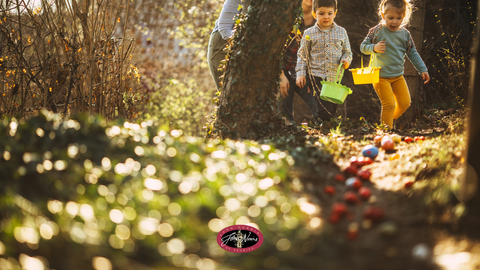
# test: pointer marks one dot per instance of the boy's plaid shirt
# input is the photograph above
(292, 45)
(322, 51)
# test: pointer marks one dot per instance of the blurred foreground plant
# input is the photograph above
(81, 192)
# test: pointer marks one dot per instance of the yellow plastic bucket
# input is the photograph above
(333, 91)
(367, 75)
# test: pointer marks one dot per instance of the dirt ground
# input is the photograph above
(422, 224)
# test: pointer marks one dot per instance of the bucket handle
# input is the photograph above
(339, 80)
(372, 57)
(338, 76)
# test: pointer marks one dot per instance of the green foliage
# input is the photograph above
(77, 191)
(176, 104)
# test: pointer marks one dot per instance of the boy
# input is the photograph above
(323, 47)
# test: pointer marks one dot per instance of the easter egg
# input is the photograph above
(339, 177)
(354, 183)
(352, 170)
(364, 175)
(373, 213)
(339, 209)
(408, 139)
(387, 143)
(364, 193)
(421, 251)
(370, 151)
(368, 161)
(329, 190)
(396, 138)
(408, 184)
(350, 197)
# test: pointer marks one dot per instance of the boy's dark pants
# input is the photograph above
(326, 109)
(287, 103)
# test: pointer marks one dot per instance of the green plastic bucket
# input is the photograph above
(333, 91)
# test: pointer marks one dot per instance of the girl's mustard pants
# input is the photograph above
(395, 98)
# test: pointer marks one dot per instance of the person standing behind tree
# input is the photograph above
(221, 33)
(288, 76)
(323, 47)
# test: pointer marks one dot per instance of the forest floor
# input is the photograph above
(419, 224)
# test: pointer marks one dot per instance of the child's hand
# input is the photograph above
(301, 80)
(380, 47)
(284, 85)
(425, 77)
(345, 64)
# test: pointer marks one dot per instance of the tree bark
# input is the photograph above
(414, 81)
(469, 191)
(247, 101)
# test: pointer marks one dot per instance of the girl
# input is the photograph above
(389, 42)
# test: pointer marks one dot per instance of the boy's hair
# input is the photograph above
(324, 3)
(403, 5)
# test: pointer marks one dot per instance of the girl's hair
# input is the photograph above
(324, 3)
(403, 5)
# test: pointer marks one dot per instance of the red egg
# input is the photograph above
(422, 138)
(368, 160)
(353, 161)
(352, 170)
(361, 162)
(350, 197)
(330, 190)
(373, 213)
(339, 177)
(339, 208)
(387, 143)
(354, 182)
(364, 193)
(364, 175)
(408, 139)
(334, 218)
(408, 184)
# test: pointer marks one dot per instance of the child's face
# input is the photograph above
(325, 16)
(393, 18)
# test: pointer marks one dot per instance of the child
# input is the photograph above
(323, 47)
(389, 42)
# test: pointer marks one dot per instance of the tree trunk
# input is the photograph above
(414, 81)
(247, 101)
(469, 191)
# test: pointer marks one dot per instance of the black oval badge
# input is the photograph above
(240, 238)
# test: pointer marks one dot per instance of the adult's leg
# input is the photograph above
(287, 102)
(326, 109)
(309, 99)
(215, 55)
(402, 96)
(385, 94)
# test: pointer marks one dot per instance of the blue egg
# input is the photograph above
(370, 151)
